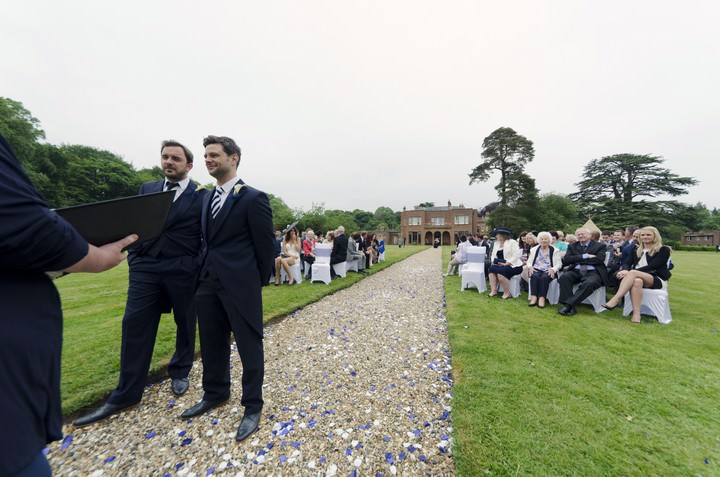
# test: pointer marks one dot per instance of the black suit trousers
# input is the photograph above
(150, 295)
(217, 317)
(587, 283)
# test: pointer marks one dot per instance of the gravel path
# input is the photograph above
(356, 384)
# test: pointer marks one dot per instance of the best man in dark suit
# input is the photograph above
(163, 273)
(236, 261)
(584, 265)
(34, 240)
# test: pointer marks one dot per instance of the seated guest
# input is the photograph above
(544, 263)
(289, 256)
(560, 243)
(308, 248)
(329, 237)
(570, 238)
(584, 265)
(505, 261)
(526, 245)
(353, 255)
(632, 234)
(649, 270)
(460, 256)
(369, 237)
(339, 249)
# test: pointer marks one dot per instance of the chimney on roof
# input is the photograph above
(449, 204)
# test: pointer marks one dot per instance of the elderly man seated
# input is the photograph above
(460, 256)
(583, 265)
(353, 255)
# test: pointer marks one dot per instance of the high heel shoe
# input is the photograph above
(605, 305)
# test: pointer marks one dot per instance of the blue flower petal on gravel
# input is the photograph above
(182, 433)
(412, 448)
(422, 458)
(150, 435)
(186, 442)
(283, 458)
(386, 439)
(67, 440)
(178, 465)
(401, 456)
(322, 459)
(109, 459)
(270, 445)
(389, 458)
(348, 451)
(416, 432)
(353, 473)
(210, 471)
(214, 421)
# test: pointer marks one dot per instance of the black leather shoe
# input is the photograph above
(180, 386)
(200, 408)
(248, 425)
(106, 410)
(567, 310)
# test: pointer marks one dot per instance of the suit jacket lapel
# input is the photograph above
(182, 203)
(227, 206)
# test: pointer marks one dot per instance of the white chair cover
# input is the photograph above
(295, 270)
(321, 267)
(514, 286)
(340, 269)
(654, 303)
(596, 299)
(473, 272)
(553, 294)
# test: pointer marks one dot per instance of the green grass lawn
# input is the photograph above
(93, 306)
(537, 393)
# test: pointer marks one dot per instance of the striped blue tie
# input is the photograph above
(215, 204)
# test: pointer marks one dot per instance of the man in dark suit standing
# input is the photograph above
(236, 261)
(339, 249)
(584, 265)
(34, 240)
(162, 277)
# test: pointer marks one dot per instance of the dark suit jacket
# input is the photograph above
(239, 245)
(574, 256)
(339, 250)
(181, 234)
(33, 240)
(656, 264)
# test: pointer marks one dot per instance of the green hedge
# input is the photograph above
(677, 245)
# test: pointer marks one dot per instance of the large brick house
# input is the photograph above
(423, 225)
(708, 239)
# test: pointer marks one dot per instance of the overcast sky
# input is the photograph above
(375, 103)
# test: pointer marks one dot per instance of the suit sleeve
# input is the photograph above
(33, 236)
(261, 228)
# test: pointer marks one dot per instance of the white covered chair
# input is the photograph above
(321, 266)
(351, 266)
(514, 286)
(473, 272)
(340, 269)
(596, 299)
(654, 303)
(294, 270)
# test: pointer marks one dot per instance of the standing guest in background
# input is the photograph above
(632, 238)
(34, 241)
(329, 238)
(236, 259)
(584, 265)
(505, 262)
(544, 263)
(162, 277)
(649, 269)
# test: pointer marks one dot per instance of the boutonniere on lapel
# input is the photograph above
(238, 187)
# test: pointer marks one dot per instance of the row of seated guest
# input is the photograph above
(643, 264)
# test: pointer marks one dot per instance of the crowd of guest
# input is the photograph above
(625, 262)
(360, 249)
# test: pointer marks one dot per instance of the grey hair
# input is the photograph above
(544, 235)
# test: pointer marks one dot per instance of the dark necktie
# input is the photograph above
(171, 185)
(583, 266)
(215, 204)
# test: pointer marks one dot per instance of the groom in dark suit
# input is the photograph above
(236, 261)
(162, 277)
(583, 265)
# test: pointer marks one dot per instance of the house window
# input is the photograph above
(437, 220)
(462, 220)
(414, 221)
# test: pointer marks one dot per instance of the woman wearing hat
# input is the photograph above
(505, 263)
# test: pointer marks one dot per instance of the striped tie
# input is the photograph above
(215, 204)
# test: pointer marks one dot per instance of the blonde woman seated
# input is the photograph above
(505, 262)
(288, 257)
(649, 270)
(543, 265)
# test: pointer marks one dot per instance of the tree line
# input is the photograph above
(68, 175)
(615, 191)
